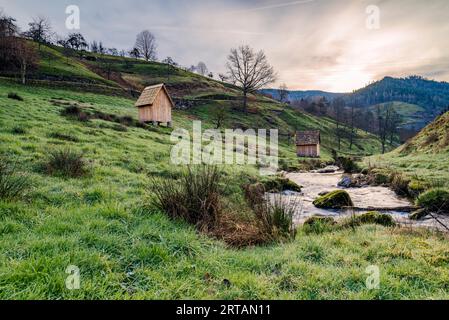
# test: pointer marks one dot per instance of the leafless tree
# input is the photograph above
(146, 44)
(27, 58)
(201, 68)
(338, 109)
(249, 70)
(283, 92)
(40, 30)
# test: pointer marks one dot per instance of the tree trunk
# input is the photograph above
(24, 71)
(245, 100)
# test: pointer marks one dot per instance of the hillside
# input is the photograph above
(197, 96)
(417, 99)
(103, 224)
(425, 156)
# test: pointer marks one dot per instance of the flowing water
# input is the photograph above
(369, 197)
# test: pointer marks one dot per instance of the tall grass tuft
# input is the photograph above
(193, 197)
(12, 185)
(66, 163)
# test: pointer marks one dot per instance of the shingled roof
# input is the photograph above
(149, 94)
(304, 138)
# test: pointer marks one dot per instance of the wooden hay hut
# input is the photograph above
(308, 144)
(155, 105)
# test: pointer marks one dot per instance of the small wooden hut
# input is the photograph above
(155, 105)
(308, 144)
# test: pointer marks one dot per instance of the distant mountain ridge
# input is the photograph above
(299, 94)
(427, 98)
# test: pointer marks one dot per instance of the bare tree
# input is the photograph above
(201, 68)
(249, 70)
(338, 106)
(40, 30)
(384, 117)
(283, 92)
(27, 58)
(146, 44)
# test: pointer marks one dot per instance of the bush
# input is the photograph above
(12, 185)
(66, 163)
(275, 217)
(348, 165)
(75, 112)
(380, 176)
(415, 188)
(194, 197)
(436, 200)
(18, 130)
(399, 184)
(14, 96)
(334, 200)
(317, 224)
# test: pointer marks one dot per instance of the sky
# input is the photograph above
(330, 45)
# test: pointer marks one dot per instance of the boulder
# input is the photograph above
(345, 182)
(375, 217)
(328, 169)
(334, 200)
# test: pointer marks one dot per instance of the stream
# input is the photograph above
(368, 197)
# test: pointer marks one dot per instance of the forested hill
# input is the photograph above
(431, 95)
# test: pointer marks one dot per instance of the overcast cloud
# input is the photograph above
(313, 44)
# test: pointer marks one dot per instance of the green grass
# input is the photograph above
(126, 250)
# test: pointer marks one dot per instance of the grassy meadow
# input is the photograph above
(126, 249)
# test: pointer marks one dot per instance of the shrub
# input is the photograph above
(436, 200)
(66, 163)
(348, 165)
(317, 224)
(194, 197)
(12, 185)
(380, 176)
(18, 130)
(75, 112)
(275, 216)
(334, 200)
(399, 184)
(14, 96)
(415, 188)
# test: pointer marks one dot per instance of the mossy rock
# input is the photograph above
(375, 217)
(419, 214)
(436, 200)
(319, 220)
(334, 200)
(279, 184)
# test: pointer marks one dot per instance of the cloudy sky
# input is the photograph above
(333, 45)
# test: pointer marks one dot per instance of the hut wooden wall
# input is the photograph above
(308, 151)
(160, 111)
